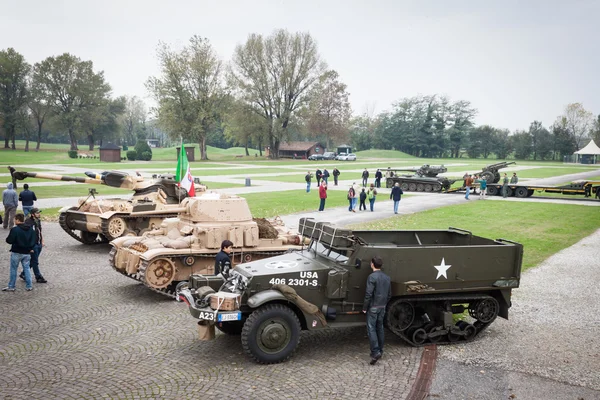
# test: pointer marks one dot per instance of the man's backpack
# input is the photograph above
(307, 178)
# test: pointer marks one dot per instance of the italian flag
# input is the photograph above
(184, 174)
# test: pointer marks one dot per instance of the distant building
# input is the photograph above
(110, 153)
(590, 154)
(153, 142)
(344, 149)
(299, 149)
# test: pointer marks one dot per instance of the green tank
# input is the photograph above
(447, 287)
(102, 220)
(425, 179)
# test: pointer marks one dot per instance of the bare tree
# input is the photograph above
(134, 117)
(189, 91)
(579, 121)
(274, 76)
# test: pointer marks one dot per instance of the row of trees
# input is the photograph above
(67, 95)
(274, 89)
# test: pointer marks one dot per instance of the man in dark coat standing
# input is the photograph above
(336, 173)
(318, 175)
(27, 197)
(22, 239)
(365, 177)
(378, 176)
(395, 195)
(35, 223)
(377, 295)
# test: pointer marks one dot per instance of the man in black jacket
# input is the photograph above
(35, 223)
(365, 177)
(27, 197)
(396, 195)
(22, 239)
(377, 295)
(378, 176)
(222, 260)
(336, 173)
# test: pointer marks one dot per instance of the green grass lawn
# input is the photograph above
(542, 229)
(289, 202)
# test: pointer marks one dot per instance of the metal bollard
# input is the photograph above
(248, 182)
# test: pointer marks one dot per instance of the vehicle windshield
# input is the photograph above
(318, 248)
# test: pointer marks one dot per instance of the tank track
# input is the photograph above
(407, 333)
(111, 262)
(62, 220)
(169, 290)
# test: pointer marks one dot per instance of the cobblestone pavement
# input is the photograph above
(90, 333)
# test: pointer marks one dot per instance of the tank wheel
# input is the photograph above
(485, 310)
(428, 188)
(521, 192)
(400, 315)
(159, 273)
(419, 336)
(492, 190)
(453, 337)
(437, 187)
(116, 227)
(404, 186)
(435, 339)
(470, 331)
(389, 182)
(230, 328)
(488, 176)
(420, 187)
(271, 333)
(88, 237)
(412, 187)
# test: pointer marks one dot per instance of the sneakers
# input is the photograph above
(8, 289)
(375, 358)
(41, 280)
(29, 289)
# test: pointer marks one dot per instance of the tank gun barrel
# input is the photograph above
(21, 175)
(497, 166)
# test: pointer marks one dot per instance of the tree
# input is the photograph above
(595, 134)
(14, 71)
(70, 87)
(134, 118)
(481, 141)
(579, 121)
(101, 121)
(563, 141)
(329, 110)
(243, 126)
(189, 90)
(521, 142)
(274, 75)
(541, 140)
(502, 144)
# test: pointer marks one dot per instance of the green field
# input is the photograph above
(543, 229)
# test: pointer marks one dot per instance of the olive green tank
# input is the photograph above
(101, 220)
(188, 244)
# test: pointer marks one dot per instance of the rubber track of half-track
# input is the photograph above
(169, 290)
(479, 326)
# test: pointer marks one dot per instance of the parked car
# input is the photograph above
(346, 157)
(330, 155)
(315, 157)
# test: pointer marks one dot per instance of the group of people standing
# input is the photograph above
(365, 194)
(469, 181)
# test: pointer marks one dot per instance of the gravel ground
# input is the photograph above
(551, 340)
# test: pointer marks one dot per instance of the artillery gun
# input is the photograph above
(436, 275)
(490, 172)
(425, 179)
(100, 220)
(188, 244)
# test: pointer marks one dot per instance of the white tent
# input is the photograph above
(591, 150)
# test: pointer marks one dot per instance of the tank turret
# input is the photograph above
(101, 220)
(180, 246)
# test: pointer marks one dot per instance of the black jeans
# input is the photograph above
(375, 329)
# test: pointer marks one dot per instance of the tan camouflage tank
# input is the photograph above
(187, 245)
(102, 220)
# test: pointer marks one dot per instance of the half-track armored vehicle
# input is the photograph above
(188, 244)
(425, 179)
(101, 220)
(436, 275)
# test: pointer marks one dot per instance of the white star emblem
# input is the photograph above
(442, 268)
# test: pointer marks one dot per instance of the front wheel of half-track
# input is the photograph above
(271, 334)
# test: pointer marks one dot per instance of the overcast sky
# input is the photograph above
(516, 61)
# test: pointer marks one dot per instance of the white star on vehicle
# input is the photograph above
(442, 268)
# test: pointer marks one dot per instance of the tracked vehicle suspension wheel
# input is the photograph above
(420, 187)
(159, 273)
(437, 187)
(412, 187)
(400, 315)
(419, 336)
(485, 310)
(389, 182)
(404, 186)
(428, 188)
(271, 334)
(115, 227)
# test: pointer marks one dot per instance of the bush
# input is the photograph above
(140, 148)
(146, 156)
(72, 153)
(131, 155)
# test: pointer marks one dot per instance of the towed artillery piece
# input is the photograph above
(188, 244)
(102, 220)
(490, 172)
(425, 179)
(436, 275)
